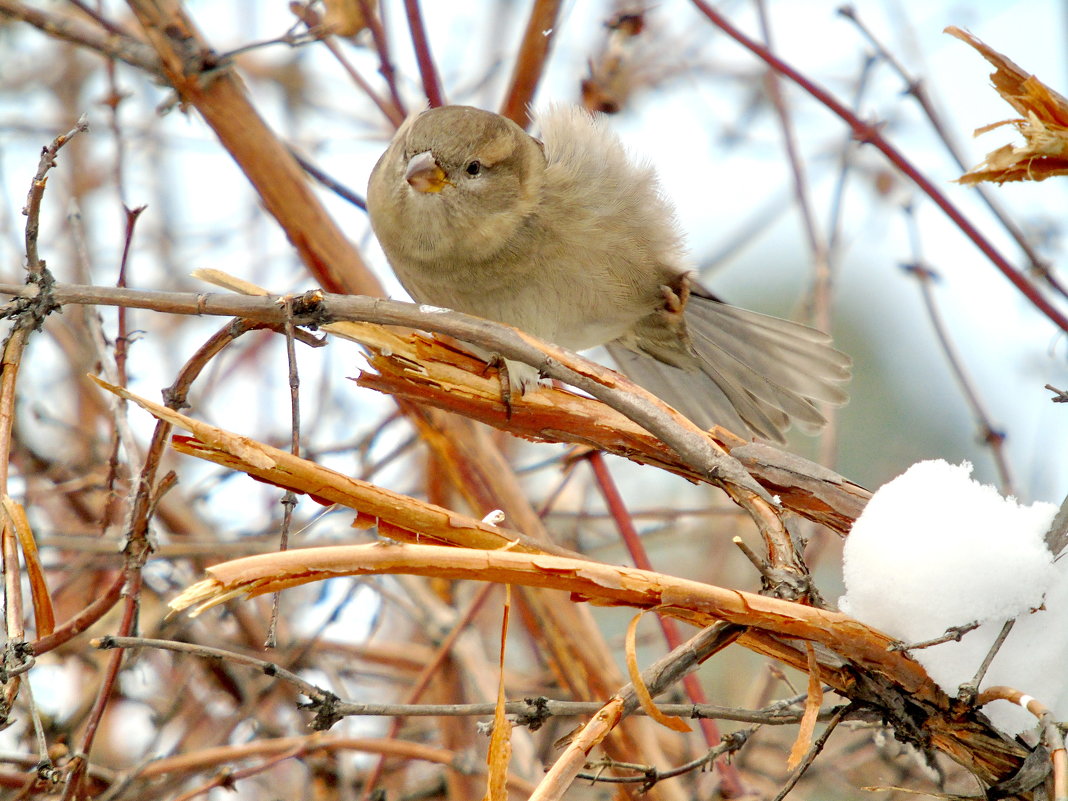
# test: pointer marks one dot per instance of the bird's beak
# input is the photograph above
(424, 174)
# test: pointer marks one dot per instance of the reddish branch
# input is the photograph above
(530, 63)
(869, 134)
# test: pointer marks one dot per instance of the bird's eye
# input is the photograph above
(474, 168)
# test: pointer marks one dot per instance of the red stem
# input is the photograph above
(427, 71)
(733, 787)
(107, 686)
(83, 620)
(385, 61)
(530, 61)
(869, 134)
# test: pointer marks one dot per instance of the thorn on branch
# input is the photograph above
(952, 634)
(866, 132)
(968, 691)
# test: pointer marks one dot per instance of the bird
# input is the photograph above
(569, 238)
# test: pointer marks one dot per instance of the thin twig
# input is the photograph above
(952, 634)
(535, 711)
(289, 498)
(529, 711)
(121, 45)
(1059, 395)
(816, 244)
(329, 181)
(650, 776)
(123, 339)
(845, 163)
(294, 379)
(228, 779)
(132, 592)
(385, 61)
(869, 133)
(823, 281)
(761, 565)
(991, 436)
(266, 667)
(38, 727)
(917, 88)
(310, 17)
(32, 209)
(969, 689)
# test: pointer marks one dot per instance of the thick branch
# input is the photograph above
(316, 308)
(213, 87)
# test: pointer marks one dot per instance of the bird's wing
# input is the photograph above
(753, 372)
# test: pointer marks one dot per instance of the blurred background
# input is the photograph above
(691, 102)
(685, 98)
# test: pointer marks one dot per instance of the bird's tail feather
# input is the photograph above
(752, 373)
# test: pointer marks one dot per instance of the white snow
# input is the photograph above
(936, 549)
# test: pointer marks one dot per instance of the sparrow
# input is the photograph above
(569, 239)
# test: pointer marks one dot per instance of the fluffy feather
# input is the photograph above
(571, 240)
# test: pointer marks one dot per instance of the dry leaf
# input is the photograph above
(640, 690)
(812, 711)
(1043, 124)
(500, 748)
(43, 615)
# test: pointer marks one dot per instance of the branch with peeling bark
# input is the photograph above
(852, 658)
(426, 372)
(637, 426)
(855, 660)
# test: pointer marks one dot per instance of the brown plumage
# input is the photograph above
(570, 240)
